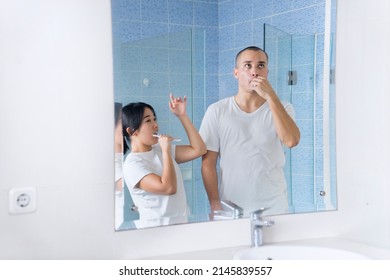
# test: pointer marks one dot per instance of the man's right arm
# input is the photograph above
(210, 179)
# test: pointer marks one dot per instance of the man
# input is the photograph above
(247, 132)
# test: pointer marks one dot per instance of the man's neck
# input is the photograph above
(248, 102)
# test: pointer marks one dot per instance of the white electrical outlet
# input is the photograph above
(22, 200)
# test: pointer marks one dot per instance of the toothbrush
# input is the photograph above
(174, 139)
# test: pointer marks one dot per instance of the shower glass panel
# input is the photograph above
(295, 55)
(307, 169)
(148, 70)
(278, 45)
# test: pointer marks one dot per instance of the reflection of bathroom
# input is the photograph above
(57, 115)
(195, 58)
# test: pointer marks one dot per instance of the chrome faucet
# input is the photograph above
(257, 224)
(230, 210)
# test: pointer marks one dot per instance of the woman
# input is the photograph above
(151, 170)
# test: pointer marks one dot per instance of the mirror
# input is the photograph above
(183, 48)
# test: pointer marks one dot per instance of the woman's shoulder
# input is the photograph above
(132, 159)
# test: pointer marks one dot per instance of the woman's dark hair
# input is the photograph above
(132, 116)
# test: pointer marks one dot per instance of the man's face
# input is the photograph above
(250, 64)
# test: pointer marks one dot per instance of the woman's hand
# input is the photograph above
(165, 142)
(178, 105)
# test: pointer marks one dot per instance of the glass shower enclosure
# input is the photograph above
(296, 71)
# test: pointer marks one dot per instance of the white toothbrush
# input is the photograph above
(174, 139)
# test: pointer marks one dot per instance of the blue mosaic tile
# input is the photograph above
(180, 12)
(307, 132)
(154, 59)
(227, 62)
(303, 160)
(226, 13)
(180, 85)
(205, 14)
(130, 57)
(242, 11)
(280, 7)
(319, 161)
(303, 190)
(320, 48)
(281, 84)
(319, 81)
(319, 134)
(127, 31)
(199, 38)
(211, 66)
(297, 4)
(158, 85)
(211, 86)
(319, 109)
(305, 80)
(180, 61)
(180, 37)
(154, 11)
(303, 50)
(211, 38)
(199, 108)
(227, 85)
(258, 33)
(131, 83)
(303, 104)
(226, 38)
(304, 21)
(262, 9)
(154, 34)
(126, 9)
(198, 62)
(243, 35)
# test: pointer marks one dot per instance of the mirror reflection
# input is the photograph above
(196, 58)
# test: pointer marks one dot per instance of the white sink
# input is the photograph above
(296, 252)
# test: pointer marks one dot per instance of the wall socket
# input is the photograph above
(22, 200)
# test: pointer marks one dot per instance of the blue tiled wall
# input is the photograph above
(228, 26)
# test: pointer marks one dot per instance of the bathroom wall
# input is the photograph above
(363, 121)
(56, 122)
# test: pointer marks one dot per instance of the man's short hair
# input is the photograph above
(251, 48)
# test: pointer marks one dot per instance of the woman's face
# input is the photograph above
(148, 127)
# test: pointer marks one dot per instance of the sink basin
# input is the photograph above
(296, 252)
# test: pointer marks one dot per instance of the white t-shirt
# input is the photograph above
(154, 209)
(251, 155)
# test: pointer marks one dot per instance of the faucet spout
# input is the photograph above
(257, 224)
